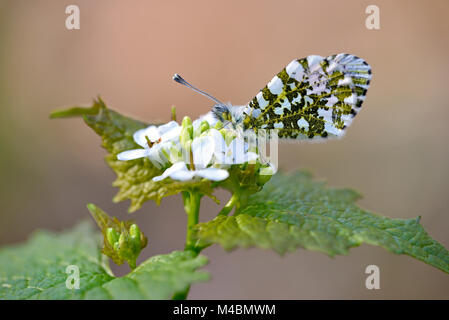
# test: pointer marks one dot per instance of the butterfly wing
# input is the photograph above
(314, 97)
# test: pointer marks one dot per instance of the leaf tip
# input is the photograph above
(91, 207)
(57, 114)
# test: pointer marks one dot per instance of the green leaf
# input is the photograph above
(134, 178)
(294, 211)
(37, 270)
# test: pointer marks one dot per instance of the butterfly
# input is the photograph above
(311, 98)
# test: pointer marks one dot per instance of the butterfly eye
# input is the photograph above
(227, 116)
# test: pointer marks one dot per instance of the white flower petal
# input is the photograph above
(222, 152)
(151, 132)
(251, 156)
(139, 137)
(183, 175)
(154, 133)
(203, 150)
(196, 124)
(228, 159)
(153, 154)
(156, 155)
(213, 174)
(219, 142)
(167, 127)
(179, 166)
(159, 178)
(132, 154)
(172, 134)
(209, 117)
(221, 159)
(238, 150)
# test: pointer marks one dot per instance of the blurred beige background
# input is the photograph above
(396, 152)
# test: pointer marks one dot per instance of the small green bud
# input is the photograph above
(219, 125)
(112, 236)
(186, 131)
(134, 231)
(186, 121)
(122, 241)
(261, 180)
(228, 135)
(264, 175)
(186, 135)
(143, 241)
(223, 133)
(204, 126)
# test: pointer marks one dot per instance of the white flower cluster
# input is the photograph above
(200, 149)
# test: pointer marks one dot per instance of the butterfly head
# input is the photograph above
(228, 114)
(222, 112)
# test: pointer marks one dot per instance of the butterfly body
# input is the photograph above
(310, 98)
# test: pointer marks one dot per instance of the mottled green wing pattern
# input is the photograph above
(314, 97)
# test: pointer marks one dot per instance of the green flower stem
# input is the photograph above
(132, 264)
(192, 201)
(182, 295)
(230, 205)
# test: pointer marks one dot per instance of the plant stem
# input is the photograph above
(132, 264)
(230, 205)
(192, 201)
(181, 295)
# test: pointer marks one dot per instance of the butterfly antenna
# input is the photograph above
(181, 80)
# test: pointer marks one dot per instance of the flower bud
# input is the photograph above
(186, 121)
(218, 125)
(186, 131)
(228, 135)
(123, 241)
(112, 236)
(204, 126)
(265, 174)
(134, 231)
(186, 134)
